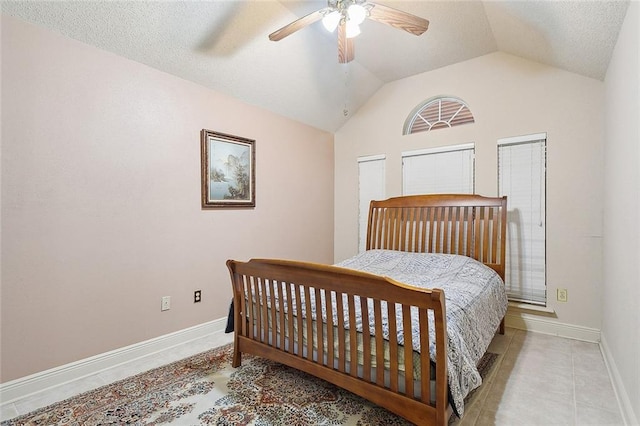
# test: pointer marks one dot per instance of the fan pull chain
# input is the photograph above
(345, 111)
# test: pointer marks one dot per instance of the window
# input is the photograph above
(522, 178)
(438, 113)
(371, 187)
(445, 170)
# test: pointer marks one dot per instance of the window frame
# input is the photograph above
(529, 294)
(446, 117)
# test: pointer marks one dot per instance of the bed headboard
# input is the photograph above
(465, 224)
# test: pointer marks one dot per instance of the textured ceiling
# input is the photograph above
(223, 44)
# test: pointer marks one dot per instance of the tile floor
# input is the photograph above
(545, 380)
(539, 380)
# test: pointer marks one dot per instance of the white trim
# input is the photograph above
(624, 402)
(372, 158)
(531, 307)
(25, 386)
(449, 148)
(524, 321)
(524, 138)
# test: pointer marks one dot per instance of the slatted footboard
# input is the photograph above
(274, 318)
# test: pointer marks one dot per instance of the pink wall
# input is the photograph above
(101, 208)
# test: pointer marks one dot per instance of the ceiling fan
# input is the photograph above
(346, 16)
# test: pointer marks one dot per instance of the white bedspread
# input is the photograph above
(475, 303)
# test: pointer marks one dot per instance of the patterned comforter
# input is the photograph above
(475, 304)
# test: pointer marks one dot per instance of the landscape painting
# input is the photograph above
(228, 170)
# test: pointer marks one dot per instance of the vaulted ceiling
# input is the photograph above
(224, 45)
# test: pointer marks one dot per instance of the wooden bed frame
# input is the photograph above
(265, 325)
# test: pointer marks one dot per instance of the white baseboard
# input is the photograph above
(525, 321)
(25, 386)
(618, 386)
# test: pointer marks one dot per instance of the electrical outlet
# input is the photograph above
(197, 296)
(562, 294)
(166, 303)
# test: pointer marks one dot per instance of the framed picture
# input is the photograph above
(228, 167)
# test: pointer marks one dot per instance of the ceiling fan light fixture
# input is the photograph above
(346, 16)
(331, 20)
(353, 29)
(357, 13)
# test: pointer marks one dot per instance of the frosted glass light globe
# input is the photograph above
(331, 20)
(353, 29)
(357, 13)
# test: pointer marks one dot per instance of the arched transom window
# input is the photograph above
(438, 113)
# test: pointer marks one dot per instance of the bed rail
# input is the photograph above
(271, 310)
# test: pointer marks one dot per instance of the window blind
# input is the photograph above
(445, 170)
(522, 178)
(371, 175)
(438, 113)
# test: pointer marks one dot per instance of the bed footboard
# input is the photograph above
(290, 311)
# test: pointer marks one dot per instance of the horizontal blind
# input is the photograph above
(522, 178)
(371, 175)
(446, 170)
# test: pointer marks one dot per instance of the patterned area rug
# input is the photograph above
(205, 390)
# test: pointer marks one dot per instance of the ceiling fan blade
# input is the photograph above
(298, 24)
(398, 19)
(345, 45)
